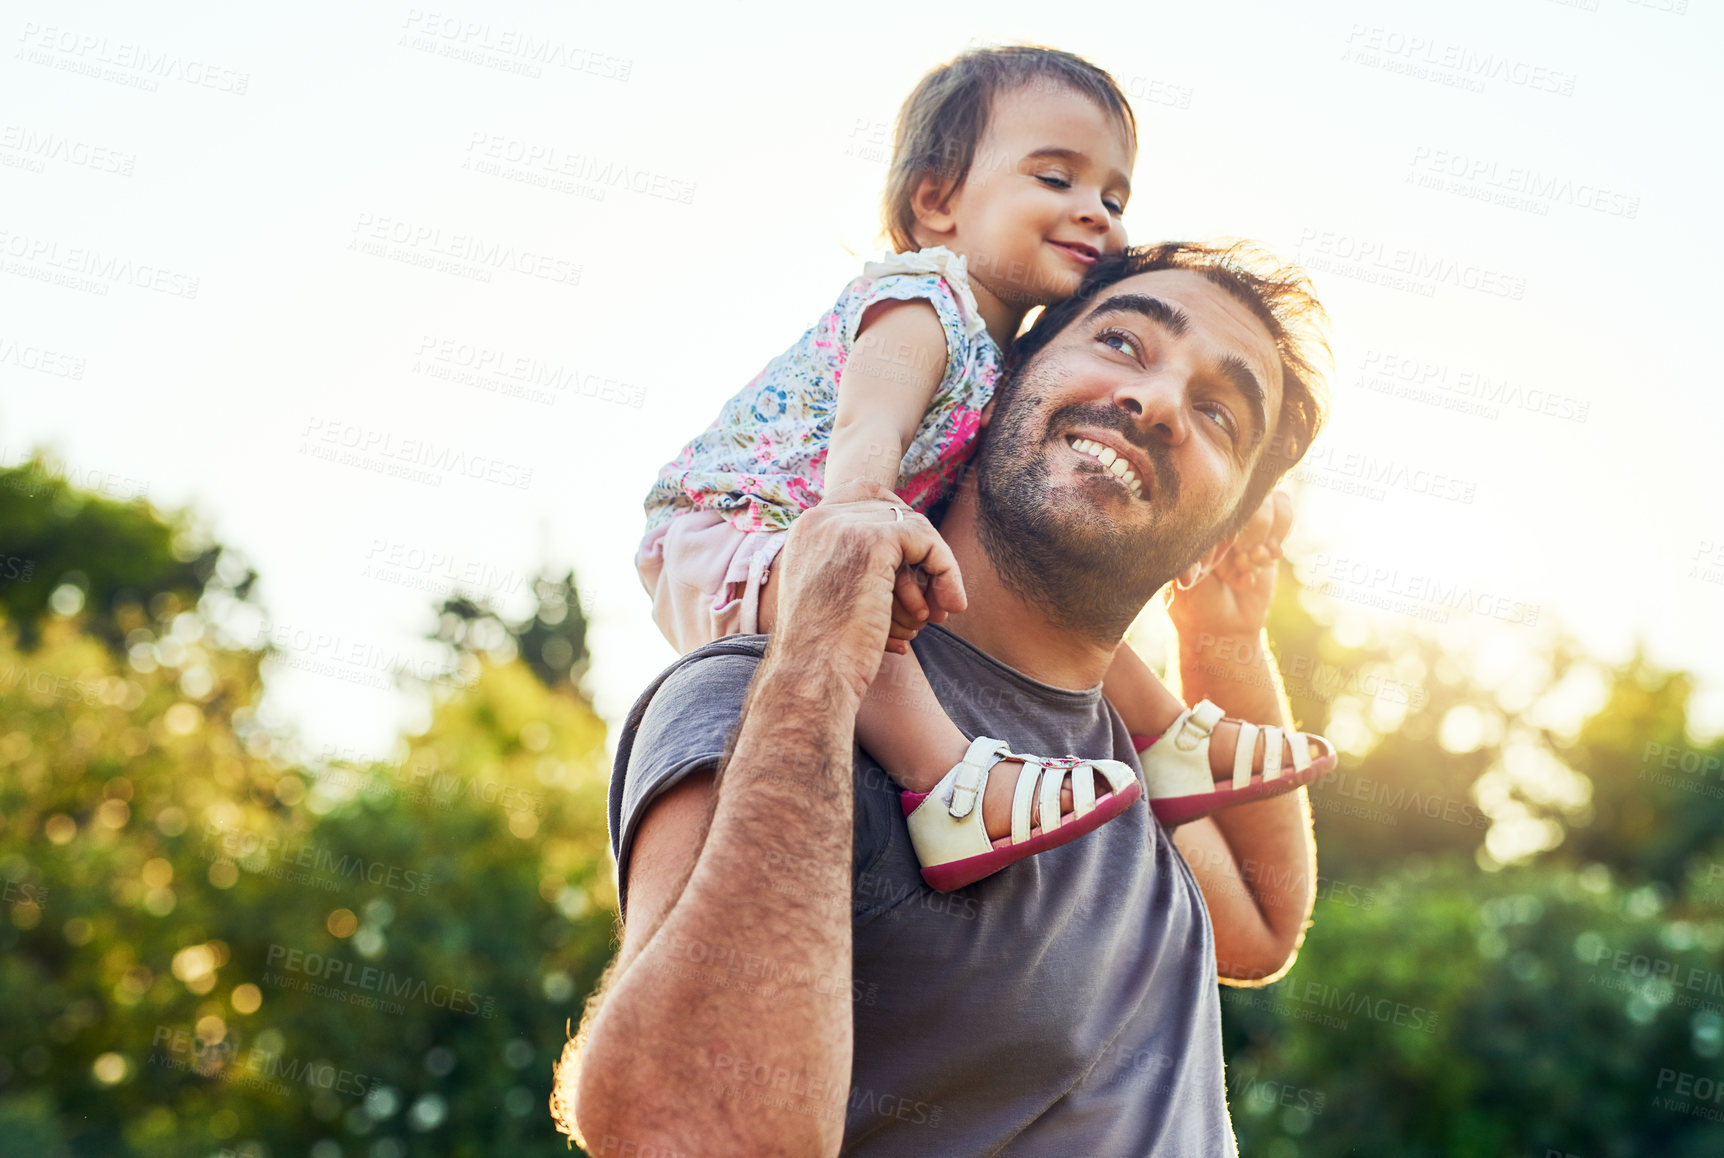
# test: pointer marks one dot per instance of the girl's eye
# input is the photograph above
(1114, 205)
(1121, 341)
(1053, 181)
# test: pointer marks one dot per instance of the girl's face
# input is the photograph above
(1043, 197)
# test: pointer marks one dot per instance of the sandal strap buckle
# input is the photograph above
(1200, 720)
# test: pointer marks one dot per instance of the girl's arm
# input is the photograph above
(896, 364)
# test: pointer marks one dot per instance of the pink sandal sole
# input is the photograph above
(958, 873)
(1173, 811)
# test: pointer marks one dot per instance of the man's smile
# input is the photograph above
(1115, 460)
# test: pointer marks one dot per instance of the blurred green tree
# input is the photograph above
(120, 558)
(206, 949)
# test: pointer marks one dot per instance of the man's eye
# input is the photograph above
(1221, 416)
(1119, 340)
(1053, 181)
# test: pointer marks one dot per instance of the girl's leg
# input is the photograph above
(903, 726)
(1149, 709)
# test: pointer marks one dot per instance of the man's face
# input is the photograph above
(1165, 372)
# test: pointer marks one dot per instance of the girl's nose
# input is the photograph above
(1092, 211)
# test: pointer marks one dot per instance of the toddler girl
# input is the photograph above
(1010, 174)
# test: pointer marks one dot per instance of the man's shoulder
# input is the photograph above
(713, 676)
(681, 723)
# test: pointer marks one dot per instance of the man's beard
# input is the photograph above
(1080, 564)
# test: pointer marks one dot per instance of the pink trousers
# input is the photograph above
(705, 577)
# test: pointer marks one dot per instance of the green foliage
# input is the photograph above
(207, 948)
(552, 641)
(121, 556)
(172, 885)
(1446, 1013)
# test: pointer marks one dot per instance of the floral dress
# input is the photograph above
(762, 462)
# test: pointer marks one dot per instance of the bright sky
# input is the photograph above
(395, 216)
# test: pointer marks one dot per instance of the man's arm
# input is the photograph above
(725, 1026)
(1256, 863)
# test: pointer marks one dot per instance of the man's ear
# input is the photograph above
(1194, 574)
(931, 203)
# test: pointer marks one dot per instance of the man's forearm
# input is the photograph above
(1270, 841)
(729, 1030)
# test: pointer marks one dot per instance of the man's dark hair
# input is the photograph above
(1281, 297)
(945, 116)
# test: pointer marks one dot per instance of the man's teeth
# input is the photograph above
(1112, 461)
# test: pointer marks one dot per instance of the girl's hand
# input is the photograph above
(1233, 599)
(840, 578)
(915, 602)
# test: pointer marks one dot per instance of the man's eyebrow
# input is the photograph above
(1170, 318)
(1238, 373)
(1233, 368)
(1063, 153)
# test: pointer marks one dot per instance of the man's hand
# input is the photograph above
(848, 582)
(1233, 599)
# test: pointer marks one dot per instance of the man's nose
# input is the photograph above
(1157, 402)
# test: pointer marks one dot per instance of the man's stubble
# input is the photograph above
(1061, 549)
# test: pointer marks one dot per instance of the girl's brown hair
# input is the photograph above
(943, 120)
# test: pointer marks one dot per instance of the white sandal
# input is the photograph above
(1181, 785)
(946, 826)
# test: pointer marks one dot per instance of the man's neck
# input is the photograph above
(1001, 622)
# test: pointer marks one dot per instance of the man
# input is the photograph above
(786, 985)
